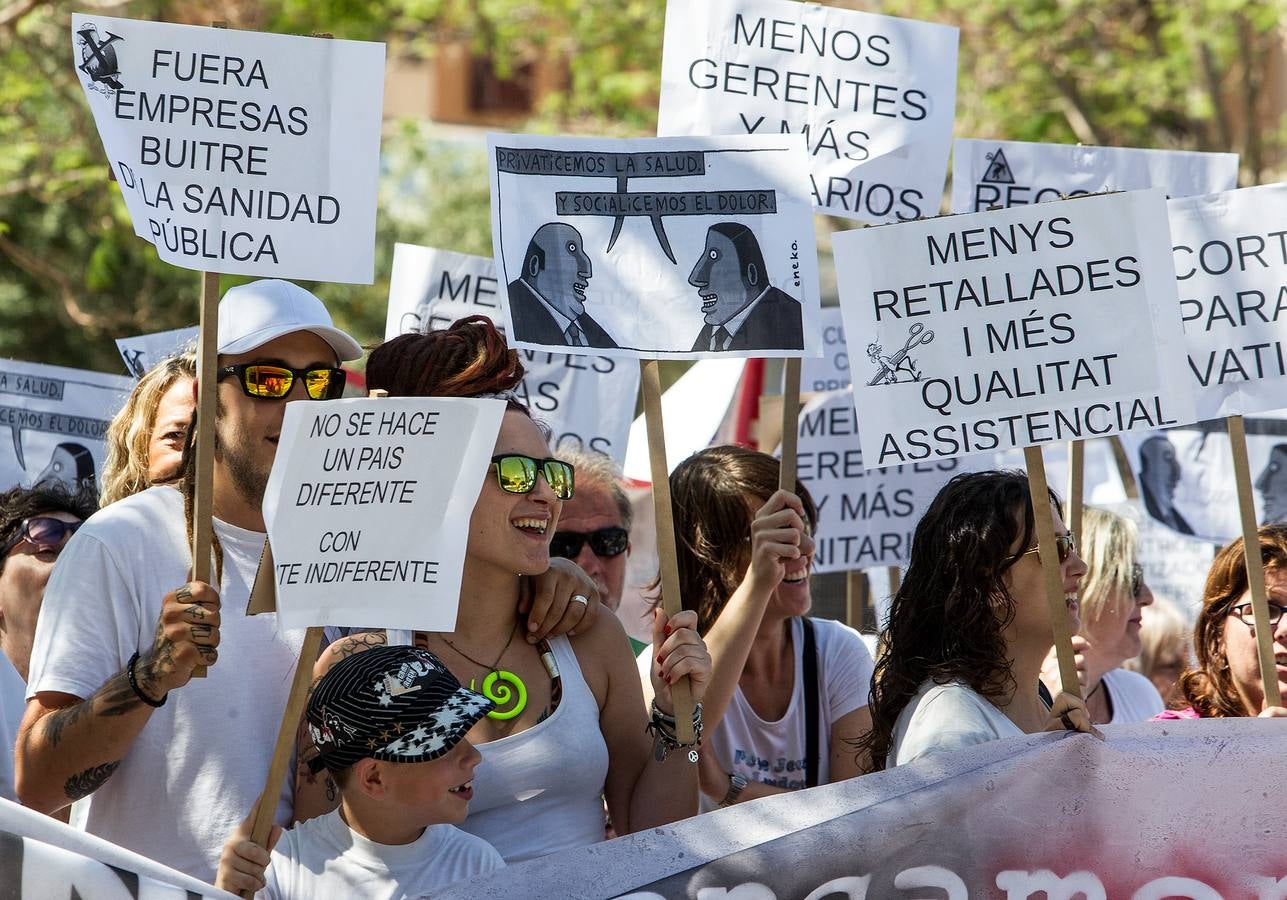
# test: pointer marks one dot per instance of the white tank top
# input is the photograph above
(540, 791)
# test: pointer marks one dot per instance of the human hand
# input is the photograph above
(778, 534)
(548, 601)
(680, 652)
(242, 862)
(1069, 713)
(187, 634)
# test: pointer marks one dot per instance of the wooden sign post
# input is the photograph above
(1124, 470)
(667, 554)
(790, 423)
(1044, 517)
(204, 440)
(1076, 487)
(1255, 564)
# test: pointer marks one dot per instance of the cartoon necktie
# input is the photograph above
(575, 336)
(720, 339)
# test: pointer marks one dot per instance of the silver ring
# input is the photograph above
(577, 598)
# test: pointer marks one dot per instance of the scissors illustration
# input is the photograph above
(889, 367)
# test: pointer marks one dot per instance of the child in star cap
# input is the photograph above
(389, 724)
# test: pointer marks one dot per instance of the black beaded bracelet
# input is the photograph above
(129, 676)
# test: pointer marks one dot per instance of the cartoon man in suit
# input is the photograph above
(743, 311)
(547, 302)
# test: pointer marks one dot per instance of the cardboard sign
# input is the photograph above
(146, 350)
(658, 247)
(1013, 328)
(1186, 477)
(874, 96)
(588, 402)
(1011, 173)
(240, 152)
(368, 508)
(980, 823)
(1231, 268)
(56, 420)
(829, 372)
(865, 517)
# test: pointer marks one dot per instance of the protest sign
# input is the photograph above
(865, 517)
(829, 372)
(1230, 253)
(367, 507)
(874, 96)
(975, 824)
(715, 255)
(1010, 173)
(57, 421)
(144, 351)
(588, 402)
(1175, 566)
(1013, 328)
(240, 152)
(41, 858)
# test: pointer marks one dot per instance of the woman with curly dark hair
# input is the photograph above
(1227, 682)
(969, 627)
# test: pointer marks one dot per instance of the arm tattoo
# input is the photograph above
(116, 698)
(90, 780)
(59, 719)
(359, 642)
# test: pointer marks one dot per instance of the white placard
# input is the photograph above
(1231, 269)
(588, 402)
(56, 420)
(656, 247)
(874, 96)
(829, 372)
(1013, 328)
(368, 508)
(865, 517)
(144, 351)
(236, 151)
(1012, 173)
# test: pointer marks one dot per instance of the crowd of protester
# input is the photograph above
(407, 780)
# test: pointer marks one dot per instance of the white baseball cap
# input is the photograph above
(251, 315)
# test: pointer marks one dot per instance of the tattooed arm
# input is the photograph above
(68, 746)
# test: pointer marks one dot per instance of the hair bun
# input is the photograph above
(469, 359)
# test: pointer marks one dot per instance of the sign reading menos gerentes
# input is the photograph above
(240, 152)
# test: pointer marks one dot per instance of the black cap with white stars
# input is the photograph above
(397, 704)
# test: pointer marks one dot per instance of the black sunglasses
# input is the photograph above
(516, 474)
(1064, 545)
(43, 531)
(272, 382)
(605, 542)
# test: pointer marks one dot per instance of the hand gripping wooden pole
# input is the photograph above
(1044, 516)
(667, 555)
(1255, 564)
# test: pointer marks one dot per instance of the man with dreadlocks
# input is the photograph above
(170, 766)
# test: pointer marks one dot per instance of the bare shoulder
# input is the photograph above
(603, 653)
(346, 647)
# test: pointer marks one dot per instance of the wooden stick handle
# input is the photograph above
(1044, 515)
(667, 555)
(1076, 486)
(1124, 470)
(790, 424)
(203, 443)
(1255, 564)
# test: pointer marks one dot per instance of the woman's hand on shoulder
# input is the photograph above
(778, 534)
(678, 651)
(1069, 713)
(561, 600)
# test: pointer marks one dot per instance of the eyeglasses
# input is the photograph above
(1243, 611)
(605, 542)
(1137, 580)
(516, 474)
(268, 382)
(1064, 544)
(42, 531)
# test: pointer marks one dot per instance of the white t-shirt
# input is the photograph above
(1134, 697)
(199, 764)
(774, 752)
(13, 693)
(944, 717)
(324, 858)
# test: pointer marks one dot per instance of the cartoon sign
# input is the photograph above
(146, 350)
(679, 247)
(1230, 254)
(56, 420)
(874, 96)
(986, 174)
(588, 401)
(226, 147)
(1013, 328)
(367, 507)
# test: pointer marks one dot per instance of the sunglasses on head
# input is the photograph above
(272, 382)
(516, 474)
(1064, 544)
(605, 542)
(42, 531)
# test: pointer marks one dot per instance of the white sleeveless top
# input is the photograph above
(540, 791)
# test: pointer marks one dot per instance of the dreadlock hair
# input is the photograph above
(714, 494)
(468, 359)
(947, 620)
